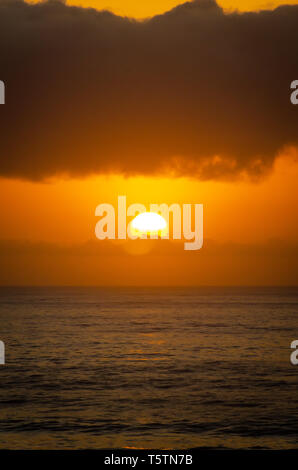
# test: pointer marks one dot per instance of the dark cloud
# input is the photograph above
(194, 91)
(154, 262)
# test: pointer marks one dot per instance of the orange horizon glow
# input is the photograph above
(62, 211)
(145, 9)
(47, 229)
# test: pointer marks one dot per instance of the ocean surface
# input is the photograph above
(163, 368)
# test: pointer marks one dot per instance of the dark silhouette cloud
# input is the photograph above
(194, 91)
(160, 263)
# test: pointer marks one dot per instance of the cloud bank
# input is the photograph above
(152, 262)
(194, 91)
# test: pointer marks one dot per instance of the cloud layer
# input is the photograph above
(194, 91)
(148, 262)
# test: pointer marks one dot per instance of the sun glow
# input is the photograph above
(149, 222)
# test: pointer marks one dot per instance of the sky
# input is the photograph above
(143, 9)
(189, 107)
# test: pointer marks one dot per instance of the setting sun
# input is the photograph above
(148, 222)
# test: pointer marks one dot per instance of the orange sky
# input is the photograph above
(147, 8)
(241, 212)
(141, 9)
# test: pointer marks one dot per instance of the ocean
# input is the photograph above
(163, 368)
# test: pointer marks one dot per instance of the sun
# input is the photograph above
(148, 223)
